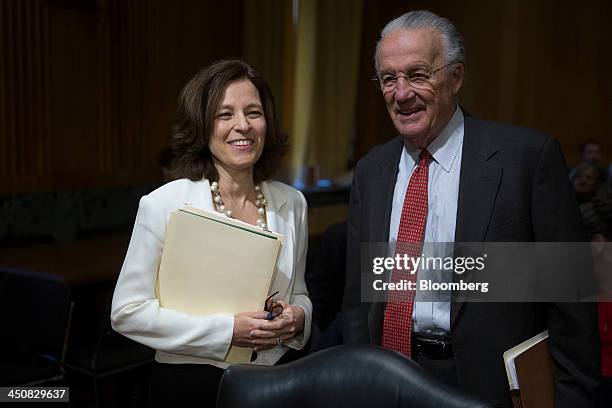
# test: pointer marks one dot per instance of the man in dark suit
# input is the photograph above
(484, 182)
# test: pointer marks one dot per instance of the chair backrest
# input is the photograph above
(35, 311)
(345, 376)
(95, 348)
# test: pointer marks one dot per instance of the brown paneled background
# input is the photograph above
(88, 87)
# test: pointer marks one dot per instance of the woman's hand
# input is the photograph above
(285, 327)
(244, 325)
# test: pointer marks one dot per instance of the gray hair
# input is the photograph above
(454, 48)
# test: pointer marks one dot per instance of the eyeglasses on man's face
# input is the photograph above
(419, 78)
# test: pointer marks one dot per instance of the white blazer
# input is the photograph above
(183, 338)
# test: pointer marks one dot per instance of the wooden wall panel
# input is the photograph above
(372, 123)
(73, 71)
(22, 88)
(105, 90)
(88, 88)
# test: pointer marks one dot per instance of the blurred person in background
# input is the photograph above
(586, 181)
(591, 151)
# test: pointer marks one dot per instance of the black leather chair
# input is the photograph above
(35, 311)
(97, 353)
(344, 376)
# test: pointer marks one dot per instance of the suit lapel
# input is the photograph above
(381, 201)
(384, 186)
(277, 216)
(199, 195)
(275, 203)
(478, 185)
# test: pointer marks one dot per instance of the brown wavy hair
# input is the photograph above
(195, 118)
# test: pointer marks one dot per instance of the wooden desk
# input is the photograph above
(86, 260)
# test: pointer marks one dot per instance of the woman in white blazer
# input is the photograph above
(227, 145)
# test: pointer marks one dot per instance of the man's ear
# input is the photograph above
(457, 78)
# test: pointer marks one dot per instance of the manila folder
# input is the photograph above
(213, 264)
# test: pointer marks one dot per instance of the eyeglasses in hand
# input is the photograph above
(273, 308)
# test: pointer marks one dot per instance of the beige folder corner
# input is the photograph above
(213, 264)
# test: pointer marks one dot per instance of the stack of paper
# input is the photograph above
(214, 264)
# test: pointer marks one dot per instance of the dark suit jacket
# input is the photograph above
(513, 187)
(325, 283)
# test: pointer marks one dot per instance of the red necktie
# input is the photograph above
(397, 325)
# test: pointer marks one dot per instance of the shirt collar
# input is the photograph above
(445, 147)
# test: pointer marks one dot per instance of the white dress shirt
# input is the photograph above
(431, 313)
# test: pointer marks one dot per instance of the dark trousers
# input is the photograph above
(184, 385)
(191, 385)
(443, 370)
(606, 392)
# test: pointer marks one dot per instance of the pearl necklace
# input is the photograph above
(260, 202)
